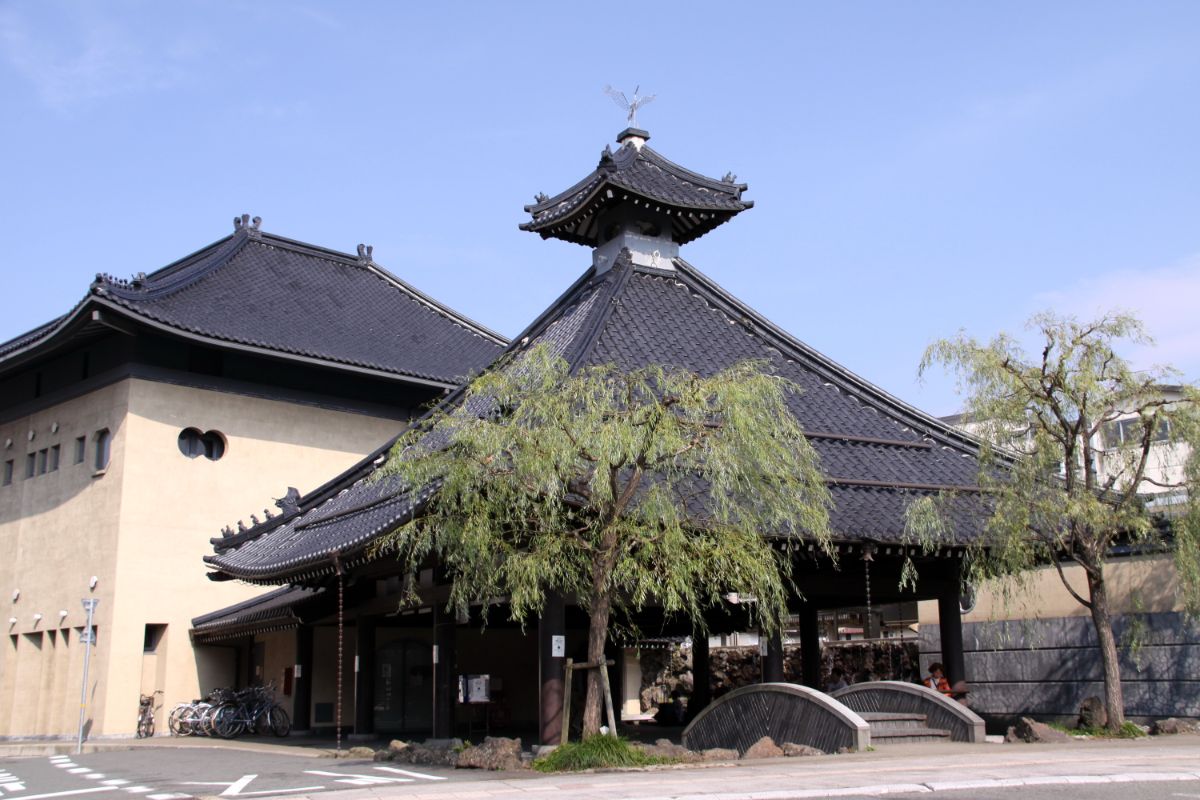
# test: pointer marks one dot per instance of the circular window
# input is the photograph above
(193, 443)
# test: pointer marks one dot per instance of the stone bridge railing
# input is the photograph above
(786, 712)
(912, 698)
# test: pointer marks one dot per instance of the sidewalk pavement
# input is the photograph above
(892, 769)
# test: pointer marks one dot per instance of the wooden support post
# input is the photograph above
(302, 681)
(810, 646)
(445, 689)
(364, 677)
(608, 701)
(569, 669)
(950, 625)
(772, 662)
(701, 674)
(551, 703)
(566, 709)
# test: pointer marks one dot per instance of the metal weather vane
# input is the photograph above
(630, 106)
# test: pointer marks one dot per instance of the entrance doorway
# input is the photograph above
(404, 687)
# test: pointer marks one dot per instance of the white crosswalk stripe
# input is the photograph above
(10, 783)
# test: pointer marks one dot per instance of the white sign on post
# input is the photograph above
(558, 646)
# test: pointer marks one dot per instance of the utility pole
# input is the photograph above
(88, 639)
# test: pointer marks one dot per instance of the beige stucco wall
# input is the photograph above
(142, 528)
(1143, 584)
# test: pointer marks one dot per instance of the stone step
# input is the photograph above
(888, 735)
(893, 719)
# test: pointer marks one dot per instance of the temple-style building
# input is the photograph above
(637, 302)
(164, 407)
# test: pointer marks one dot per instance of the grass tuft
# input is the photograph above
(595, 752)
(1129, 730)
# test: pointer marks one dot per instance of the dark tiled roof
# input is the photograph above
(271, 294)
(695, 204)
(275, 610)
(878, 453)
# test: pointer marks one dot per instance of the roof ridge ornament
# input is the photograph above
(631, 106)
(251, 226)
(364, 254)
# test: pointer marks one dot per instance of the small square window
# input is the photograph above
(8, 472)
(80, 448)
(52, 465)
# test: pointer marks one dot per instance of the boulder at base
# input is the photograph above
(1173, 725)
(433, 752)
(494, 753)
(1030, 730)
(358, 752)
(719, 754)
(792, 749)
(1092, 713)
(665, 748)
(763, 748)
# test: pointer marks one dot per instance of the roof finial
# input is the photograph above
(244, 222)
(630, 106)
(364, 253)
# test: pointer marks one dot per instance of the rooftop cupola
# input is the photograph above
(637, 200)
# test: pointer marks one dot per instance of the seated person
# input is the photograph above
(837, 680)
(937, 679)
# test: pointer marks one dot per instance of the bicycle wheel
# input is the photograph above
(281, 723)
(145, 728)
(175, 720)
(226, 722)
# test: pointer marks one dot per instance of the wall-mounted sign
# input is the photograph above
(558, 646)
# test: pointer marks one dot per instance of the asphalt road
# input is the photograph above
(181, 773)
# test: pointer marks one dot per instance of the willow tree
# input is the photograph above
(620, 490)
(1073, 439)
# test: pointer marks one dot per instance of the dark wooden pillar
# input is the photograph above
(550, 667)
(772, 662)
(701, 674)
(445, 672)
(302, 681)
(810, 646)
(364, 676)
(950, 625)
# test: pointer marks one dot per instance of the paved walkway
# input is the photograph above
(892, 769)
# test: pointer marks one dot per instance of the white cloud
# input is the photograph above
(1166, 299)
(88, 59)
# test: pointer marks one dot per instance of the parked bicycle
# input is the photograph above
(252, 709)
(228, 713)
(145, 723)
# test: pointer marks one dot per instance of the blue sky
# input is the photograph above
(917, 167)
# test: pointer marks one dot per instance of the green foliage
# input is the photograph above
(1128, 730)
(654, 486)
(1069, 438)
(601, 751)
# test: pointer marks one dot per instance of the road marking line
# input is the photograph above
(167, 796)
(355, 779)
(137, 789)
(412, 774)
(12, 786)
(66, 794)
(115, 782)
(64, 764)
(77, 770)
(95, 776)
(238, 785)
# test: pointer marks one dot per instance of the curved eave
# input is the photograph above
(580, 225)
(99, 311)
